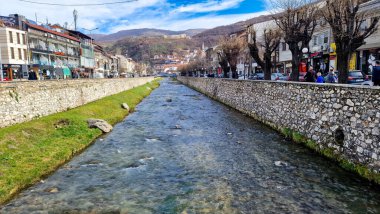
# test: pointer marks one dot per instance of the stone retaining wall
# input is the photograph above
(342, 118)
(23, 101)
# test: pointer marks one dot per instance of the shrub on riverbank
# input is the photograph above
(32, 150)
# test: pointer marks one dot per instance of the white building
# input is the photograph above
(14, 49)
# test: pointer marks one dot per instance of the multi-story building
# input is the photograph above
(87, 53)
(103, 62)
(52, 54)
(13, 50)
(368, 53)
(126, 66)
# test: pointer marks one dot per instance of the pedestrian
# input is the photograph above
(376, 74)
(320, 78)
(310, 75)
(331, 78)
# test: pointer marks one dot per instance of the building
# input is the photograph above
(13, 52)
(126, 66)
(103, 62)
(52, 54)
(87, 54)
(368, 53)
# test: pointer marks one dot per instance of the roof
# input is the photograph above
(51, 31)
(80, 34)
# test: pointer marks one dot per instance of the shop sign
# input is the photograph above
(316, 55)
(11, 66)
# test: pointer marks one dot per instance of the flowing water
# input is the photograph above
(181, 152)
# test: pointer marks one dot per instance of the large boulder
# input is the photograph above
(100, 124)
(125, 106)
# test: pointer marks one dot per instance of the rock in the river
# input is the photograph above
(280, 163)
(125, 106)
(169, 100)
(100, 124)
(51, 189)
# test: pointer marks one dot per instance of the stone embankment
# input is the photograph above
(24, 101)
(339, 119)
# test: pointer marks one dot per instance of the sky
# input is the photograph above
(160, 14)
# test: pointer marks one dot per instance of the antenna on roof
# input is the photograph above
(36, 17)
(75, 13)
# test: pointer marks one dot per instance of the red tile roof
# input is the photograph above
(51, 31)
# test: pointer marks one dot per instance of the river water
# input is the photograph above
(181, 152)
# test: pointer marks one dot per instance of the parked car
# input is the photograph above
(279, 76)
(257, 76)
(355, 76)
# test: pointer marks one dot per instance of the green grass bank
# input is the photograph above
(30, 151)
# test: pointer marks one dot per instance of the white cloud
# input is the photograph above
(139, 14)
(208, 21)
(209, 6)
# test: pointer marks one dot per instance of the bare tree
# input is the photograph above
(229, 50)
(347, 22)
(270, 41)
(222, 58)
(297, 20)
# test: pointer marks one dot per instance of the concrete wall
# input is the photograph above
(23, 101)
(318, 111)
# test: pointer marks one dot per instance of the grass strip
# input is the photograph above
(32, 150)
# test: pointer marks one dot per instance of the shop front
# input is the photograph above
(320, 62)
(13, 71)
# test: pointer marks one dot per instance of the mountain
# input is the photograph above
(143, 49)
(145, 32)
(211, 37)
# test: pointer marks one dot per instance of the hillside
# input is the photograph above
(211, 37)
(145, 32)
(143, 49)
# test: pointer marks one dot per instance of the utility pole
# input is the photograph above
(75, 13)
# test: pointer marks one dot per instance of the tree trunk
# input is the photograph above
(226, 69)
(296, 59)
(234, 72)
(267, 67)
(342, 65)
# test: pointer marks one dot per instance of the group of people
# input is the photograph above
(311, 76)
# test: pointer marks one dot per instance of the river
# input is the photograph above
(181, 152)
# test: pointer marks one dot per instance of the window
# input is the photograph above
(19, 54)
(18, 38)
(23, 39)
(315, 40)
(326, 38)
(25, 57)
(284, 46)
(12, 53)
(363, 25)
(10, 37)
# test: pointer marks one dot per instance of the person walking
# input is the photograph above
(320, 78)
(376, 74)
(331, 78)
(310, 75)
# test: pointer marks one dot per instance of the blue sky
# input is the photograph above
(162, 14)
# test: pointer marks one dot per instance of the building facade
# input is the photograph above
(14, 53)
(53, 55)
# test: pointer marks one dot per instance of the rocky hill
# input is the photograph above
(211, 37)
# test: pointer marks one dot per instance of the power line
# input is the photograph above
(78, 5)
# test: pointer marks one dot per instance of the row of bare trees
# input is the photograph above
(295, 23)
